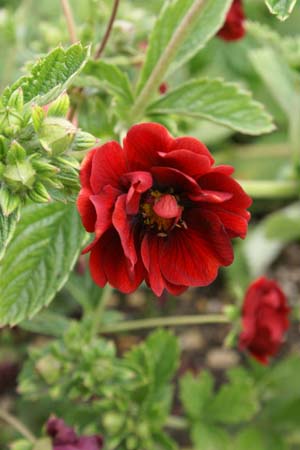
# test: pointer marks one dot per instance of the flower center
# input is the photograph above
(161, 212)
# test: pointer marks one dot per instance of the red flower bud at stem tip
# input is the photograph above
(264, 319)
(163, 88)
(233, 28)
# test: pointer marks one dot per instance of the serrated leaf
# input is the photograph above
(46, 323)
(7, 228)
(203, 28)
(219, 101)
(51, 75)
(46, 245)
(281, 8)
(196, 393)
(240, 394)
(111, 77)
(208, 437)
(282, 82)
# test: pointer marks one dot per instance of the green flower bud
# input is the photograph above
(39, 193)
(49, 368)
(66, 161)
(19, 175)
(9, 202)
(3, 146)
(43, 168)
(38, 115)
(16, 153)
(60, 107)
(83, 141)
(16, 100)
(56, 135)
(10, 121)
(113, 422)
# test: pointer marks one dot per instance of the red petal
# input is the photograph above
(139, 182)
(86, 169)
(186, 161)
(211, 196)
(167, 177)
(167, 207)
(125, 229)
(143, 143)
(237, 225)
(86, 209)
(109, 165)
(108, 263)
(192, 144)
(150, 257)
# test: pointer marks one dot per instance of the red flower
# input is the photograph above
(264, 318)
(65, 438)
(160, 211)
(233, 28)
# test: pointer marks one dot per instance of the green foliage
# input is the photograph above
(281, 8)
(201, 30)
(50, 76)
(7, 228)
(221, 102)
(131, 395)
(46, 245)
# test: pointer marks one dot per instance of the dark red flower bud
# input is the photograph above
(65, 438)
(233, 28)
(163, 88)
(264, 319)
(160, 210)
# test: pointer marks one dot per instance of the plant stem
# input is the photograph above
(164, 61)
(271, 189)
(17, 425)
(164, 322)
(102, 45)
(177, 423)
(98, 313)
(69, 20)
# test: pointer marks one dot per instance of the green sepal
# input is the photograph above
(56, 135)
(38, 115)
(16, 100)
(10, 121)
(83, 141)
(16, 153)
(60, 107)
(20, 175)
(39, 193)
(9, 202)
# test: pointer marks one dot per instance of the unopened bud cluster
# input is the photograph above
(36, 145)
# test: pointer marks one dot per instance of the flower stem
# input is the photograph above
(164, 61)
(104, 41)
(98, 313)
(131, 325)
(271, 189)
(17, 425)
(69, 20)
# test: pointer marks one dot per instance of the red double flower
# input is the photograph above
(233, 28)
(264, 319)
(161, 212)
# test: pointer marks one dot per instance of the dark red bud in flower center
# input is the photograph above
(161, 212)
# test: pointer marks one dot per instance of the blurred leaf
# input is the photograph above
(46, 323)
(196, 393)
(284, 224)
(51, 75)
(282, 82)
(208, 437)
(219, 101)
(281, 8)
(46, 245)
(163, 441)
(7, 228)
(203, 28)
(240, 394)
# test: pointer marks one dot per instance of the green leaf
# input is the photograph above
(51, 75)
(240, 394)
(282, 82)
(46, 323)
(196, 393)
(254, 438)
(107, 75)
(284, 224)
(207, 437)
(7, 228)
(201, 30)
(281, 8)
(219, 101)
(46, 245)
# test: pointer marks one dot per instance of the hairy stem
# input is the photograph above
(166, 58)
(98, 313)
(104, 41)
(69, 20)
(271, 189)
(17, 425)
(164, 322)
